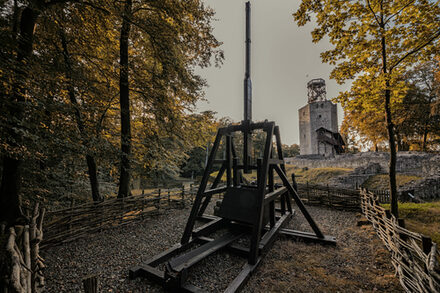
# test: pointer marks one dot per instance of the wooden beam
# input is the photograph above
(215, 191)
(299, 202)
(274, 194)
(308, 237)
(189, 259)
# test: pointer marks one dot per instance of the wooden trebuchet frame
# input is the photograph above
(257, 211)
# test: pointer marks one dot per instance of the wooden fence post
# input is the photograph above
(91, 284)
(328, 196)
(183, 195)
(426, 244)
(388, 214)
(169, 198)
(158, 199)
(401, 223)
(308, 192)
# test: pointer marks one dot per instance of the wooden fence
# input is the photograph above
(20, 262)
(72, 223)
(415, 256)
(338, 198)
(68, 224)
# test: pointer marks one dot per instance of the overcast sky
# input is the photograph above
(284, 59)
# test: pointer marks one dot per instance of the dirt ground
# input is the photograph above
(358, 263)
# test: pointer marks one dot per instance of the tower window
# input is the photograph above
(319, 116)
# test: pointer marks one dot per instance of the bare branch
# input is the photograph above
(416, 49)
(400, 10)
(372, 11)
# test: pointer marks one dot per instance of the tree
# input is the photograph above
(195, 164)
(206, 126)
(73, 46)
(421, 118)
(63, 116)
(91, 162)
(290, 151)
(375, 42)
(22, 37)
(178, 37)
(124, 100)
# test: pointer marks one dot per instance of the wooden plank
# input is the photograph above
(194, 256)
(308, 237)
(149, 272)
(167, 254)
(215, 190)
(209, 227)
(277, 192)
(270, 236)
(238, 283)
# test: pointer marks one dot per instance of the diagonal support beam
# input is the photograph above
(198, 201)
(214, 185)
(298, 202)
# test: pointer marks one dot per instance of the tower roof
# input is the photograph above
(316, 90)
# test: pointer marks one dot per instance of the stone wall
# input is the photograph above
(421, 164)
(357, 177)
(425, 189)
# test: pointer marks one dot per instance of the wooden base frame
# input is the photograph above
(245, 211)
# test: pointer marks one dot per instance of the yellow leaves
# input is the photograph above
(43, 125)
(170, 21)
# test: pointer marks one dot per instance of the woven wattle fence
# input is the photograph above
(414, 256)
(338, 198)
(21, 267)
(69, 224)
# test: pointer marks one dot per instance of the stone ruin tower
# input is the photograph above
(318, 123)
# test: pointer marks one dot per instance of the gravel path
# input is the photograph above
(359, 263)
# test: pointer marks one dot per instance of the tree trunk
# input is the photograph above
(94, 184)
(91, 163)
(389, 122)
(11, 177)
(10, 190)
(124, 179)
(393, 155)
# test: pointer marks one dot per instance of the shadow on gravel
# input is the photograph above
(359, 262)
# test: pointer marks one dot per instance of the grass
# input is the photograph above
(381, 181)
(319, 176)
(423, 218)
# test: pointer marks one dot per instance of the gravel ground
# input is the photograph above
(359, 262)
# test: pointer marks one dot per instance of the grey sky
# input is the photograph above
(284, 59)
